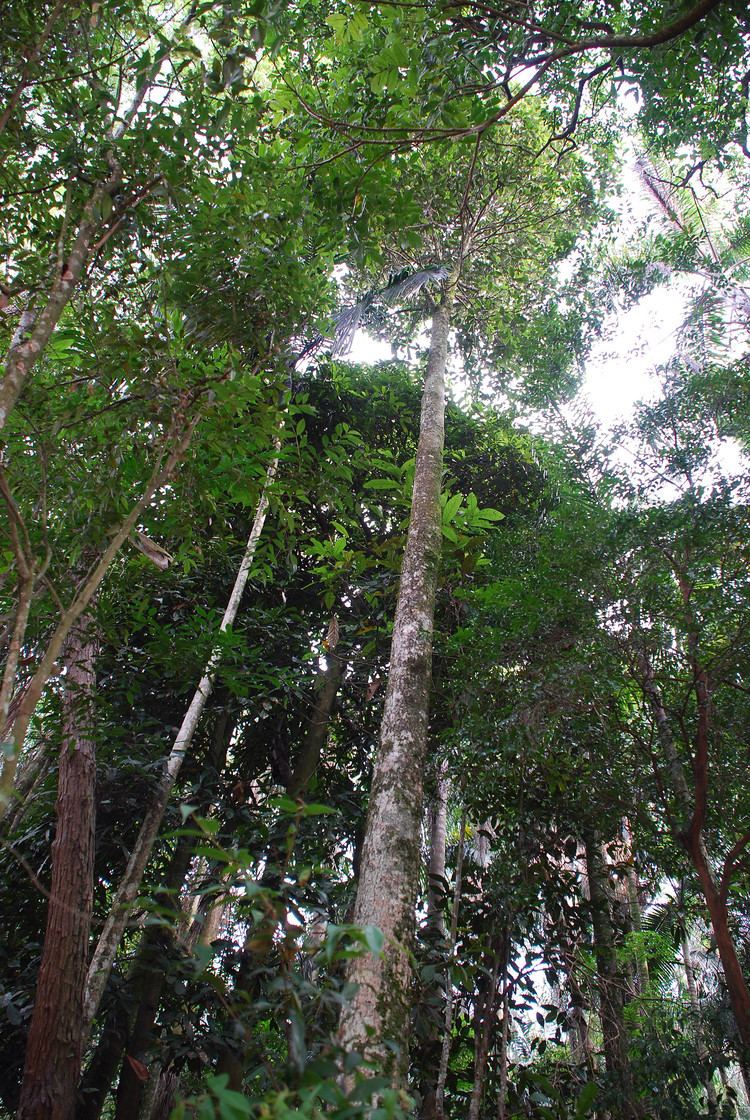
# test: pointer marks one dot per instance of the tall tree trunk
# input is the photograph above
(634, 904)
(579, 1038)
(502, 1093)
(433, 996)
(317, 730)
(387, 891)
(611, 982)
(55, 1042)
(103, 1065)
(147, 979)
(104, 954)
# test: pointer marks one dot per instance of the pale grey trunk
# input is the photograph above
(436, 864)
(387, 892)
(104, 954)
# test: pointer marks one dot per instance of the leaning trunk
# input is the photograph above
(56, 1035)
(378, 1014)
(149, 973)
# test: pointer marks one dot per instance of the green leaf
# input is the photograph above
(381, 484)
(374, 939)
(586, 1099)
(451, 508)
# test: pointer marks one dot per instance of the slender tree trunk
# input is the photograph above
(147, 980)
(611, 983)
(317, 729)
(634, 905)
(26, 349)
(104, 1064)
(436, 865)
(578, 1029)
(739, 996)
(132, 1034)
(104, 954)
(53, 1053)
(445, 1053)
(22, 357)
(148, 976)
(502, 1094)
(484, 1022)
(387, 891)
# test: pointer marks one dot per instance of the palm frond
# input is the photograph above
(345, 326)
(348, 320)
(406, 286)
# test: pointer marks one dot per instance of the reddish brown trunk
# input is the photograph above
(53, 1054)
(739, 996)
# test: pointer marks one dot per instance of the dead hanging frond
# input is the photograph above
(347, 322)
(407, 286)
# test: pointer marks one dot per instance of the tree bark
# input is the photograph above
(317, 729)
(386, 896)
(148, 975)
(104, 954)
(22, 357)
(502, 1092)
(436, 864)
(147, 980)
(56, 1036)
